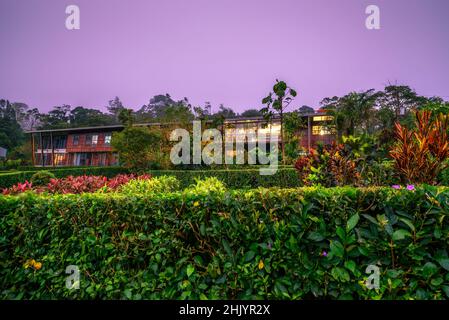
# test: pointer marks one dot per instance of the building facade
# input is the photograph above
(74, 147)
(91, 146)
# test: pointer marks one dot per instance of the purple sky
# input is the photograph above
(222, 51)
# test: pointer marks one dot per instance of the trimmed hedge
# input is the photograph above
(301, 243)
(9, 179)
(250, 178)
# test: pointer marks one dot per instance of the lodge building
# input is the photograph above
(91, 146)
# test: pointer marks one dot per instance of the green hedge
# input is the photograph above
(11, 178)
(249, 178)
(302, 243)
(233, 178)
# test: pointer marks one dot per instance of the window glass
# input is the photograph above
(76, 140)
(107, 138)
(94, 138)
(320, 130)
(322, 118)
(88, 139)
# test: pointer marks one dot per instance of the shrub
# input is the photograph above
(420, 154)
(235, 179)
(137, 146)
(207, 186)
(42, 178)
(328, 166)
(11, 178)
(78, 184)
(18, 188)
(155, 185)
(307, 243)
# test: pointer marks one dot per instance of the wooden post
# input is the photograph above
(33, 156)
(52, 149)
(309, 132)
(42, 149)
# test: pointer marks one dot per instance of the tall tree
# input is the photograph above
(115, 106)
(251, 113)
(11, 134)
(83, 117)
(277, 102)
(353, 113)
(306, 109)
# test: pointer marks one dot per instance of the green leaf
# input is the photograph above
(408, 223)
(128, 293)
(350, 265)
(190, 270)
(315, 236)
(444, 262)
(337, 248)
(429, 269)
(352, 222)
(400, 234)
(198, 260)
(370, 219)
(249, 256)
(446, 290)
(341, 233)
(227, 247)
(340, 274)
(437, 281)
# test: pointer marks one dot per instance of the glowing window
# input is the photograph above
(321, 130)
(322, 118)
(107, 138)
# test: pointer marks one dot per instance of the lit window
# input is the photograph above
(107, 138)
(321, 130)
(322, 118)
(95, 139)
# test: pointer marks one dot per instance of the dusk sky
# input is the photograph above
(222, 51)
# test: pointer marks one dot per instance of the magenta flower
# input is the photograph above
(396, 186)
(324, 254)
(410, 187)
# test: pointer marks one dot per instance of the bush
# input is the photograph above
(42, 178)
(235, 179)
(307, 243)
(155, 185)
(11, 178)
(207, 186)
(421, 154)
(328, 166)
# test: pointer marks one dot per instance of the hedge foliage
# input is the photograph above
(248, 178)
(8, 179)
(251, 178)
(274, 243)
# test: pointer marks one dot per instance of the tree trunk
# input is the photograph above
(282, 135)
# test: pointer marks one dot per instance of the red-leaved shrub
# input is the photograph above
(18, 188)
(79, 184)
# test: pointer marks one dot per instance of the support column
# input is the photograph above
(33, 156)
(42, 149)
(52, 150)
(309, 132)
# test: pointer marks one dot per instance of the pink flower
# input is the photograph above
(324, 254)
(396, 186)
(410, 187)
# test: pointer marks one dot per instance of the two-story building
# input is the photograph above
(91, 146)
